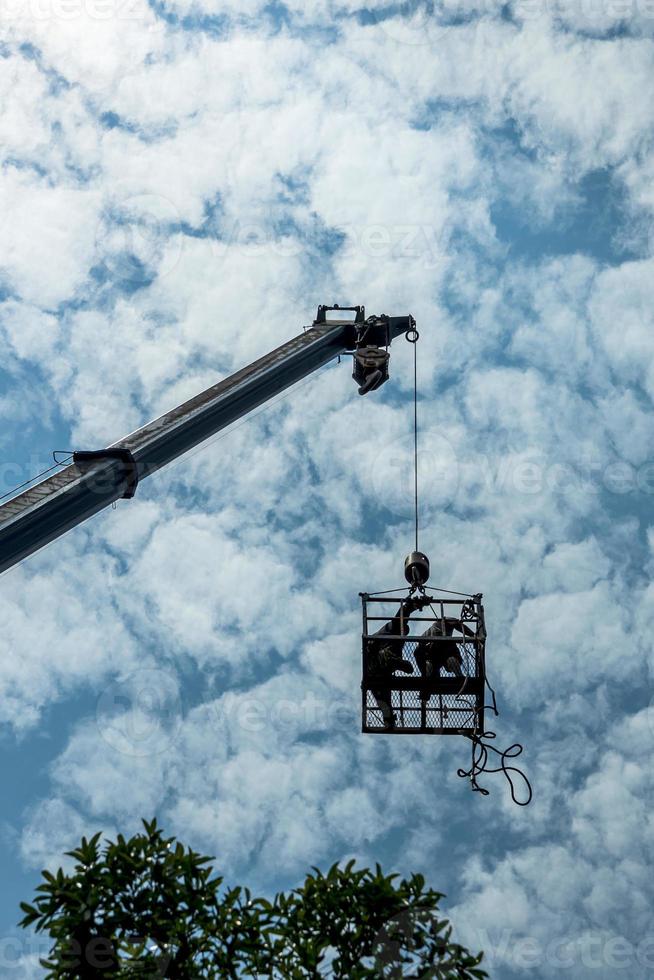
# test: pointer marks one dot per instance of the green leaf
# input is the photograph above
(149, 895)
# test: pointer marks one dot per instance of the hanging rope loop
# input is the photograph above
(480, 760)
(412, 335)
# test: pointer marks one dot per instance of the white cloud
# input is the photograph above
(621, 315)
(47, 257)
(78, 635)
(89, 42)
(574, 899)
(56, 824)
(237, 571)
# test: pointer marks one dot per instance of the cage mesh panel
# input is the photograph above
(445, 711)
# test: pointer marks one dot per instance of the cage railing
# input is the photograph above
(423, 703)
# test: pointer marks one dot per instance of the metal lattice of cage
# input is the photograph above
(423, 664)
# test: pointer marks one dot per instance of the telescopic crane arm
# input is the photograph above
(96, 479)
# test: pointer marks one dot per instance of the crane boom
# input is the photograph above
(95, 480)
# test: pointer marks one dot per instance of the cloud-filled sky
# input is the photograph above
(183, 182)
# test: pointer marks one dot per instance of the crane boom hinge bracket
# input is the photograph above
(126, 457)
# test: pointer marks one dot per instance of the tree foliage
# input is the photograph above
(148, 907)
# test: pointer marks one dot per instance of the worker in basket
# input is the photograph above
(385, 655)
(441, 654)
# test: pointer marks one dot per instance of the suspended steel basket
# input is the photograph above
(423, 664)
(424, 670)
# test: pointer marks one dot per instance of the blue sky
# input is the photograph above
(183, 182)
